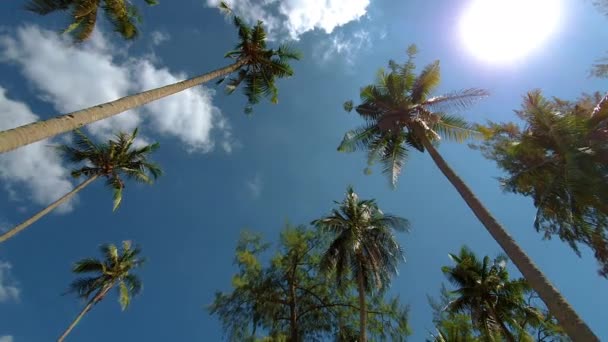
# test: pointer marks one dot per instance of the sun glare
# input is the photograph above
(506, 30)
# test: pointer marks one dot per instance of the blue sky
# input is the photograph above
(225, 171)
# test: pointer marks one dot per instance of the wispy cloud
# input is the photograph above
(255, 186)
(6, 338)
(293, 18)
(8, 287)
(159, 37)
(348, 46)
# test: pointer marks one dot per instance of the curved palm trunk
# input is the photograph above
(27, 134)
(84, 311)
(18, 228)
(574, 326)
(362, 309)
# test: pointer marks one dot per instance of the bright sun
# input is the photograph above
(506, 30)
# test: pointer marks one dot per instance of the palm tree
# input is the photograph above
(113, 160)
(560, 159)
(400, 113)
(485, 291)
(364, 246)
(121, 13)
(114, 270)
(258, 68)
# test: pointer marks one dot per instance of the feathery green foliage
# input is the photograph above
(398, 103)
(289, 299)
(122, 15)
(559, 157)
(113, 160)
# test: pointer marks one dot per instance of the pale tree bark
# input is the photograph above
(98, 297)
(39, 130)
(18, 228)
(568, 319)
(362, 309)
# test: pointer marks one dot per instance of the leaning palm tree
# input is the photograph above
(364, 247)
(257, 67)
(485, 291)
(400, 113)
(113, 271)
(559, 158)
(122, 14)
(113, 160)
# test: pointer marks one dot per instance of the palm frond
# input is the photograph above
(397, 223)
(457, 100)
(124, 297)
(84, 287)
(88, 265)
(359, 138)
(44, 7)
(454, 128)
(426, 82)
(393, 158)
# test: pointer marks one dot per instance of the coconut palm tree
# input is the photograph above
(256, 66)
(364, 247)
(400, 113)
(122, 14)
(113, 161)
(560, 159)
(485, 291)
(113, 271)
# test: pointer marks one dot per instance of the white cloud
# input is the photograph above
(35, 166)
(159, 37)
(295, 17)
(189, 115)
(72, 78)
(306, 15)
(8, 287)
(6, 338)
(340, 46)
(255, 186)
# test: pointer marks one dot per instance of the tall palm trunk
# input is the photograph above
(27, 134)
(362, 309)
(98, 297)
(18, 228)
(503, 327)
(574, 326)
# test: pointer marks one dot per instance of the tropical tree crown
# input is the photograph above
(113, 270)
(399, 107)
(261, 66)
(114, 159)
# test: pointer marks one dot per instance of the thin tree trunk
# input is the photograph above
(27, 134)
(293, 317)
(574, 326)
(84, 311)
(600, 105)
(293, 313)
(362, 309)
(18, 228)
